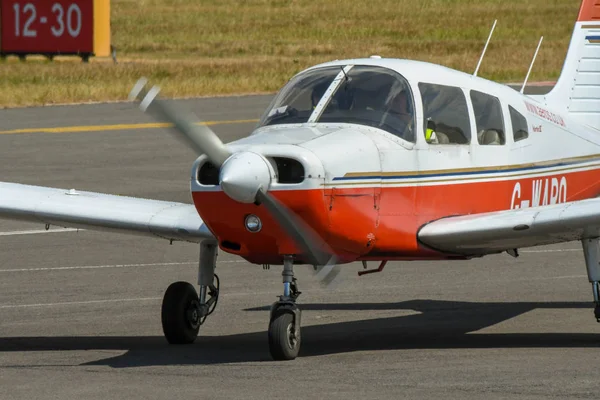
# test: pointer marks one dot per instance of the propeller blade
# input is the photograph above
(196, 135)
(327, 274)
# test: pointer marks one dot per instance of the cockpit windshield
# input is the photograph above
(365, 95)
(296, 101)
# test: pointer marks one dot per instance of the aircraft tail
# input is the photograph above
(577, 91)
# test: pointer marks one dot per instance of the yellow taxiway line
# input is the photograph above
(117, 127)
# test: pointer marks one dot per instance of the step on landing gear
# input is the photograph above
(591, 252)
(285, 321)
(183, 310)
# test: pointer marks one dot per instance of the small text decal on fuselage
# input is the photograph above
(545, 114)
(544, 191)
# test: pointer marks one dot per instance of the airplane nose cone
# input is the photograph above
(243, 175)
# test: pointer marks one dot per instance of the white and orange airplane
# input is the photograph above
(369, 160)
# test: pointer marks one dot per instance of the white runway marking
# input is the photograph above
(87, 267)
(111, 266)
(563, 277)
(95, 267)
(255, 293)
(69, 303)
(36, 231)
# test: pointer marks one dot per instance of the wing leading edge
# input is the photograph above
(96, 211)
(480, 234)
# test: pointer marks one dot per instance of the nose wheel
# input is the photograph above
(284, 335)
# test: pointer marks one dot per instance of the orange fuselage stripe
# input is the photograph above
(382, 221)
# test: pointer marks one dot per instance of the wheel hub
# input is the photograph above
(193, 314)
(291, 336)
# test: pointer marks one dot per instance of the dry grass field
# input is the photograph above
(202, 47)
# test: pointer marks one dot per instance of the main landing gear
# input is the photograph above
(591, 252)
(183, 310)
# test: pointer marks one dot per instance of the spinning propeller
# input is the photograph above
(244, 176)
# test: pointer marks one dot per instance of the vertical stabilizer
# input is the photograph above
(578, 88)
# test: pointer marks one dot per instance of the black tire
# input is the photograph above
(283, 345)
(179, 314)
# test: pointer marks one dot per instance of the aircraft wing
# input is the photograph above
(494, 232)
(95, 211)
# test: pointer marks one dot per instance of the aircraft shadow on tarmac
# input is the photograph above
(438, 325)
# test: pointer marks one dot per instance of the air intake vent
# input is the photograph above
(289, 170)
(231, 245)
(208, 174)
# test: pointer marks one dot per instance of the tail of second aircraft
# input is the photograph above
(577, 91)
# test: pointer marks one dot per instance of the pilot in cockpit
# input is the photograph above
(400, 116)
(317, 93)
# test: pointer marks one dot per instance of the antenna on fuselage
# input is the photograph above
(345, 76)
(531, 65)
(485, 48)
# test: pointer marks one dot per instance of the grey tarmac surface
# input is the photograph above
(80, 311)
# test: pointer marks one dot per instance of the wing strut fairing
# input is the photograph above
(494, 232)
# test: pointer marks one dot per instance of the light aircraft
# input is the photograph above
(368, 159)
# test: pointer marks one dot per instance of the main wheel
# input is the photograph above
(180, 313)
(283, 343)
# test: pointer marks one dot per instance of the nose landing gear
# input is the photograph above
(285, 321)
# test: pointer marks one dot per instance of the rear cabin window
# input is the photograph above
(519, 124)
(446, 117)
(488, 119)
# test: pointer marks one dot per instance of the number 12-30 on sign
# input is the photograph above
(59, 26)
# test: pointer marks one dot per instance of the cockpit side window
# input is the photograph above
(445, 114)
(295, 102)
(488, 118)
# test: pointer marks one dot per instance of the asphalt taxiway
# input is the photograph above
(80, 311)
